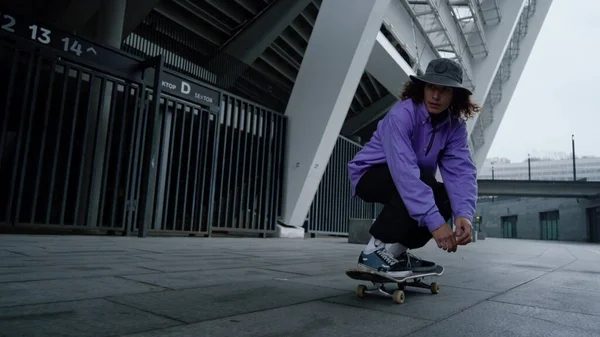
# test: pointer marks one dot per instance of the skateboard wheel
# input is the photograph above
(398, 296)
(435, 288)
(360, 290)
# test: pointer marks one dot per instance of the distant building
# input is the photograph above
(586, 168)
(541, 218)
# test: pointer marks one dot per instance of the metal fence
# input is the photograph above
(333, 205)
(93, 138)
(250, 166)
(56, 119)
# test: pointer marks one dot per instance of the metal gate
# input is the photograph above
(93, 138)
(71, 132)
(333, 205)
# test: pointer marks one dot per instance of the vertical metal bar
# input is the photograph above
(71, 143)
(140, 102)
(113, 214)
(43, 143)
(173, 132)
(244, 190)
(269, 225)
(198, 193)
(9, 97)
(221, 168)
(278, 154)
(66, 72)
(206, 169)
(187, 173)
(213, 185)
(180, 155)
(23, 166)
(238, 139)
(165, 147)
(251, 190)
(112, 115)
(151, 162)
(261, 169)
(30, 68)
(84, 152)
(139, 173)
(234, 114)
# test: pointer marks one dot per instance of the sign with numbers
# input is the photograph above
(28, 29)
(25, 28)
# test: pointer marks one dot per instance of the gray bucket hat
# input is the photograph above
(444, 72)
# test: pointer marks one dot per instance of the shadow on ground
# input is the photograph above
(125, 286)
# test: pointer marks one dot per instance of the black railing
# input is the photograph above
(94, 138)
(65, 140)
(249, 166)
(333, 205)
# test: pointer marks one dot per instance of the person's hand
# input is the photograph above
(464, 230)
(444, 236)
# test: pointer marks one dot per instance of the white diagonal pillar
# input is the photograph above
(334, 61)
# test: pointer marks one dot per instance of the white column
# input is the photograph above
(334, 61)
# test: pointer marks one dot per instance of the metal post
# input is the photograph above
(529, 165)
(109, 31)
(492, 172)
(573, 146)
(150, 162)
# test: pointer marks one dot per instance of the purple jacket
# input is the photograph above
(403, 140)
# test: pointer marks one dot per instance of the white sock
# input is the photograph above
(395, 249)
(373, 245)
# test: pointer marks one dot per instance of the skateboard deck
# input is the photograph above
(379, 280)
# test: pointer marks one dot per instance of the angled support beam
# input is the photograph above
(400, 23)
(251, 42)
(534, 25)
(450, 31)
(391, 70)
(336, 56)
(387, 66)
(368, 115)
(498, 37)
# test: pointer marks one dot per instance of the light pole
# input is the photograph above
(529, 165)
(573, 146)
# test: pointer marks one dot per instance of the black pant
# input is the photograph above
(394, 224)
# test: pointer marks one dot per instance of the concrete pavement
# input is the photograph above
(172, 286)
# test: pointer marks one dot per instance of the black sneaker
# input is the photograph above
(416, 264)
(383, 262)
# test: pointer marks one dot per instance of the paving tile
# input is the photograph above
(20, 293)
(64, 272)
(495, 279)
(201, 264)
(199, 304)
(504, 320)
(559, 292)
(195, 279)
(307, 319)
(312, 268)
(78, 319)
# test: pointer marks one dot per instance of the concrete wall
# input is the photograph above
(572, 223)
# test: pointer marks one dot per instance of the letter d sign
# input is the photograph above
(185, 88)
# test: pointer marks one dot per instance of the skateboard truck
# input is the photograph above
(379, 281)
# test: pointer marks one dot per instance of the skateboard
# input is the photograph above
(379, 280)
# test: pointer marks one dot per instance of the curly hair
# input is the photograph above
(461, 106)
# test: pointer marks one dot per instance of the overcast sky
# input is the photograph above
(559, 91)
